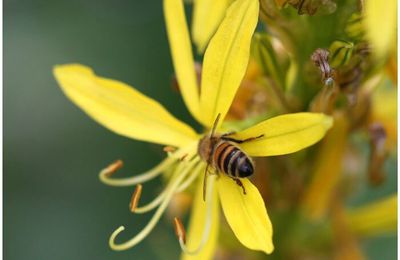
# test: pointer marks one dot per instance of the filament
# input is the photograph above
(156, 201)
(191, 178)
(207, 228)
(172, 186)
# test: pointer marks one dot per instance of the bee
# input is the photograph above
(222, 153)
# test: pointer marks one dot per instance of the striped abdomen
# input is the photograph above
(229, 159)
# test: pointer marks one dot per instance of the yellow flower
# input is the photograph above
(125, 111)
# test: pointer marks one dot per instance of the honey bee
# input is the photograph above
(223, 154)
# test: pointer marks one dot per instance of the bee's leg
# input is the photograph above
(240, 141)
(239, 182)
(228, 133)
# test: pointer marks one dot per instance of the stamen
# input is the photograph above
(141, 178)
(135, 198)
(180, 230)
(207, 227)
(152, 173)
(172, 186)
(112, 168)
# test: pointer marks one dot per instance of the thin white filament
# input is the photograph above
(154, 220)
(156, 201)
(191, 178)
(207, 227)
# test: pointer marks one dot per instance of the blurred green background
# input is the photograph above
(54, 205)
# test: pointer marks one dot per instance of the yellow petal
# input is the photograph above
(197, 225)
(207, 15)
(285, 134)
(375, 218)
(121, 108)
(182, 55)
(381, 26)
(226, 59)
(246, 214)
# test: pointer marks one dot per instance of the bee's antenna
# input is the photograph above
(214, 128)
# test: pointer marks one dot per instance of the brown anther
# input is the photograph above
(180, 230)
(113, 167)
(169, 149)
(135, 198)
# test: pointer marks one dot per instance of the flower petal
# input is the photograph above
(285, 134)
(121, 108)
(182, 55)
(380, 23)
(246, 214)
(207, 15)
(226, 59)
(197, 225)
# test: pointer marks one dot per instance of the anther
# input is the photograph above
(169, 149)
(135, 198)
(180, 230)
(112, 168)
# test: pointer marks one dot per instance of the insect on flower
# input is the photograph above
(126, 111)
(223, 154)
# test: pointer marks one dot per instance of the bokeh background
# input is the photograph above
(54, 205)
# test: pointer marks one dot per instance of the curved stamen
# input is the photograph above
(172, 186)
(156, 201)
(146, 176)
(207, 227)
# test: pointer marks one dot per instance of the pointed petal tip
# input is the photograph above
(246, 214)
(269, 249)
